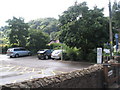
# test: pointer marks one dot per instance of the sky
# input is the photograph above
(34, 9)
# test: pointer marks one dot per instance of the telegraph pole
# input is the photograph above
(110, 30)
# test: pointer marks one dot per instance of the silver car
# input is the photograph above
(18, 51)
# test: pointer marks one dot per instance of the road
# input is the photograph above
(14, 70)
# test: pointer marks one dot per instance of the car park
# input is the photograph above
(56, 54)
(18, 51)
(44, 54)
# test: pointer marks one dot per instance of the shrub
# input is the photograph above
(4, 49)
(71, 54)
(92, 57)
(65, 56)
(117, 53)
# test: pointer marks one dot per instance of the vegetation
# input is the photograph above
(86, 32)
(19, 31)
(80, 29)
(116, 15)
(37, 40)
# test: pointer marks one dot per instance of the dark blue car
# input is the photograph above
(44, 54)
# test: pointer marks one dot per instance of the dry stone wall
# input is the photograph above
(90, 77)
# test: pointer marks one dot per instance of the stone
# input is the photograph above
(35, 84)
(29, 83)
(23, 86)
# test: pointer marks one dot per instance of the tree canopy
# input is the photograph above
(116, 15)
(84, 28)
(47, 25)
(19, 31)
(37, 40)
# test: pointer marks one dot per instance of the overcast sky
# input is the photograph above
(33, 9)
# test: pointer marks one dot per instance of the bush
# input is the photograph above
(117, 53)
(71, 54)
(92, 57)
(65, 56)
(4, 49)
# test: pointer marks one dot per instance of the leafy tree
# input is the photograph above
(37, 40)
(55, 35)
(73, 13)
(19, 31)
(47, 25)
(86, 32)
(4, 32)
(116, 15)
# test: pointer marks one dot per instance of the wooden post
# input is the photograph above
(105, 68)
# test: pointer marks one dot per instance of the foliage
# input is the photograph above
(117, 53)
(19, 31)
(72, 13)
(4, 41)
(87, 32)
(116, 15)
(47, 25)
(55, 35)
(69, 53)
(55, 46)
(4, 32)
(92, 56)
(37, 40)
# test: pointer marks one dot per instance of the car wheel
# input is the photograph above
(39, 57)
(53, 58)
(16, 55)
(46, 57)
(10, 56)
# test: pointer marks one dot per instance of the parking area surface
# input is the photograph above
(25, 68)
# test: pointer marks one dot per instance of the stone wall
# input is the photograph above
(91, 77)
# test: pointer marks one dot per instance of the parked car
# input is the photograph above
(56, 54)
(18, 51)
(44, 54)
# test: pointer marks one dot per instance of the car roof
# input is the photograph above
(57, 50)
(45, 49)
(17, 48)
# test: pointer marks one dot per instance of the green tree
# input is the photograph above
(84, 28)
(4, 32)
(37, 40)
(19, 31)
(47, 25)
(116, 15)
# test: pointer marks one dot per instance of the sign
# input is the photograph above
(106, 50)
(110, 72)
(117, 40)
(116, 35)
(99, 55)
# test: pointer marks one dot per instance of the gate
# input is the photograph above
(112, 75)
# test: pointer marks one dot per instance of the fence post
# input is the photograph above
(105, 69)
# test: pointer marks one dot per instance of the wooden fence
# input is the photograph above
(112, 75)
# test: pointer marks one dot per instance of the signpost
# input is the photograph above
(117, 39)
(99, 55)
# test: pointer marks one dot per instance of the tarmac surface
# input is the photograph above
(14, 70)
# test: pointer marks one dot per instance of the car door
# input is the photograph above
(24, 51)
(18, 51)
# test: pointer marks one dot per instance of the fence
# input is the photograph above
(112, 75)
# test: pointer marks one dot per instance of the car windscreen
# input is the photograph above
(57, 51)
(17, 49)
(48, 51)
(9, 50)
(41, 51)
